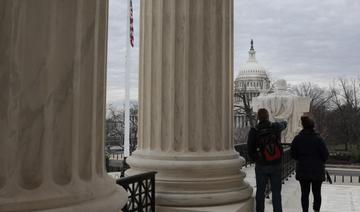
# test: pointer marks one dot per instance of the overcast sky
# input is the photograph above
(297, 40)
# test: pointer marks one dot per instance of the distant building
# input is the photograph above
(251, 81)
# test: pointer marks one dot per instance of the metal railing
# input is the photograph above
(288, 164)
(141, 191)
(243, 151)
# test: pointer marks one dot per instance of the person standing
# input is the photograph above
(311, 153)
(264, 147)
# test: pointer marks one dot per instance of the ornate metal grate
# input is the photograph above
(141, 190)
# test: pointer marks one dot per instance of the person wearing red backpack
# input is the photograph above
(264, 147)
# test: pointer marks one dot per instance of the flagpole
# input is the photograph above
(127, 89)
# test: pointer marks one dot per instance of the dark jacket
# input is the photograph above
(252, 143)
(311, 153)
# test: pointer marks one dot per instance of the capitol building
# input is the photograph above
(251, 81)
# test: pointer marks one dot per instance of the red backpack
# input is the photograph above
(268, 144)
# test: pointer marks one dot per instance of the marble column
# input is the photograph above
(186, 106)
(52, 82)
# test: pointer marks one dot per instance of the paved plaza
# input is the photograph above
(335, 198)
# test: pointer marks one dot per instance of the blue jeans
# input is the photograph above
(263, 175)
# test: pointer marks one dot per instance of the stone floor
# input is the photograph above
(343, 197)
(335, 198)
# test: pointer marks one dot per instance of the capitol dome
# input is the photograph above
(252, 75)
(252, 68)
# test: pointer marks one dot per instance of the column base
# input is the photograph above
(194, 180)
(112, 203)
(93, 196)
(246, 206)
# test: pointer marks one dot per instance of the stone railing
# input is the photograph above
(344, 175)
(113, 165)
(141, 191)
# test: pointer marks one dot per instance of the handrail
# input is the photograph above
(141, 190)
(243, 151)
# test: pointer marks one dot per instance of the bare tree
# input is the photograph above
(134, 110)
(244, 108)
(318, 96)
(346, 108)
(319, 103)
(115, 124)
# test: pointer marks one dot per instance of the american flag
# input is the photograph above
(131, 24)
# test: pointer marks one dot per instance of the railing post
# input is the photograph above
(153, 192)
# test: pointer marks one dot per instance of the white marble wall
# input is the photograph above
(52, 82)
(185, 111)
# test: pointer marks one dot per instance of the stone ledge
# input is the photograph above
(247, 206)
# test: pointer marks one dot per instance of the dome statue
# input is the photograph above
(283, 105)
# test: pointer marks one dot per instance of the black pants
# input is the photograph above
(305, 191)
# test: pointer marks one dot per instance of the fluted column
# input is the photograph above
(52, 82)
(186, 106)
